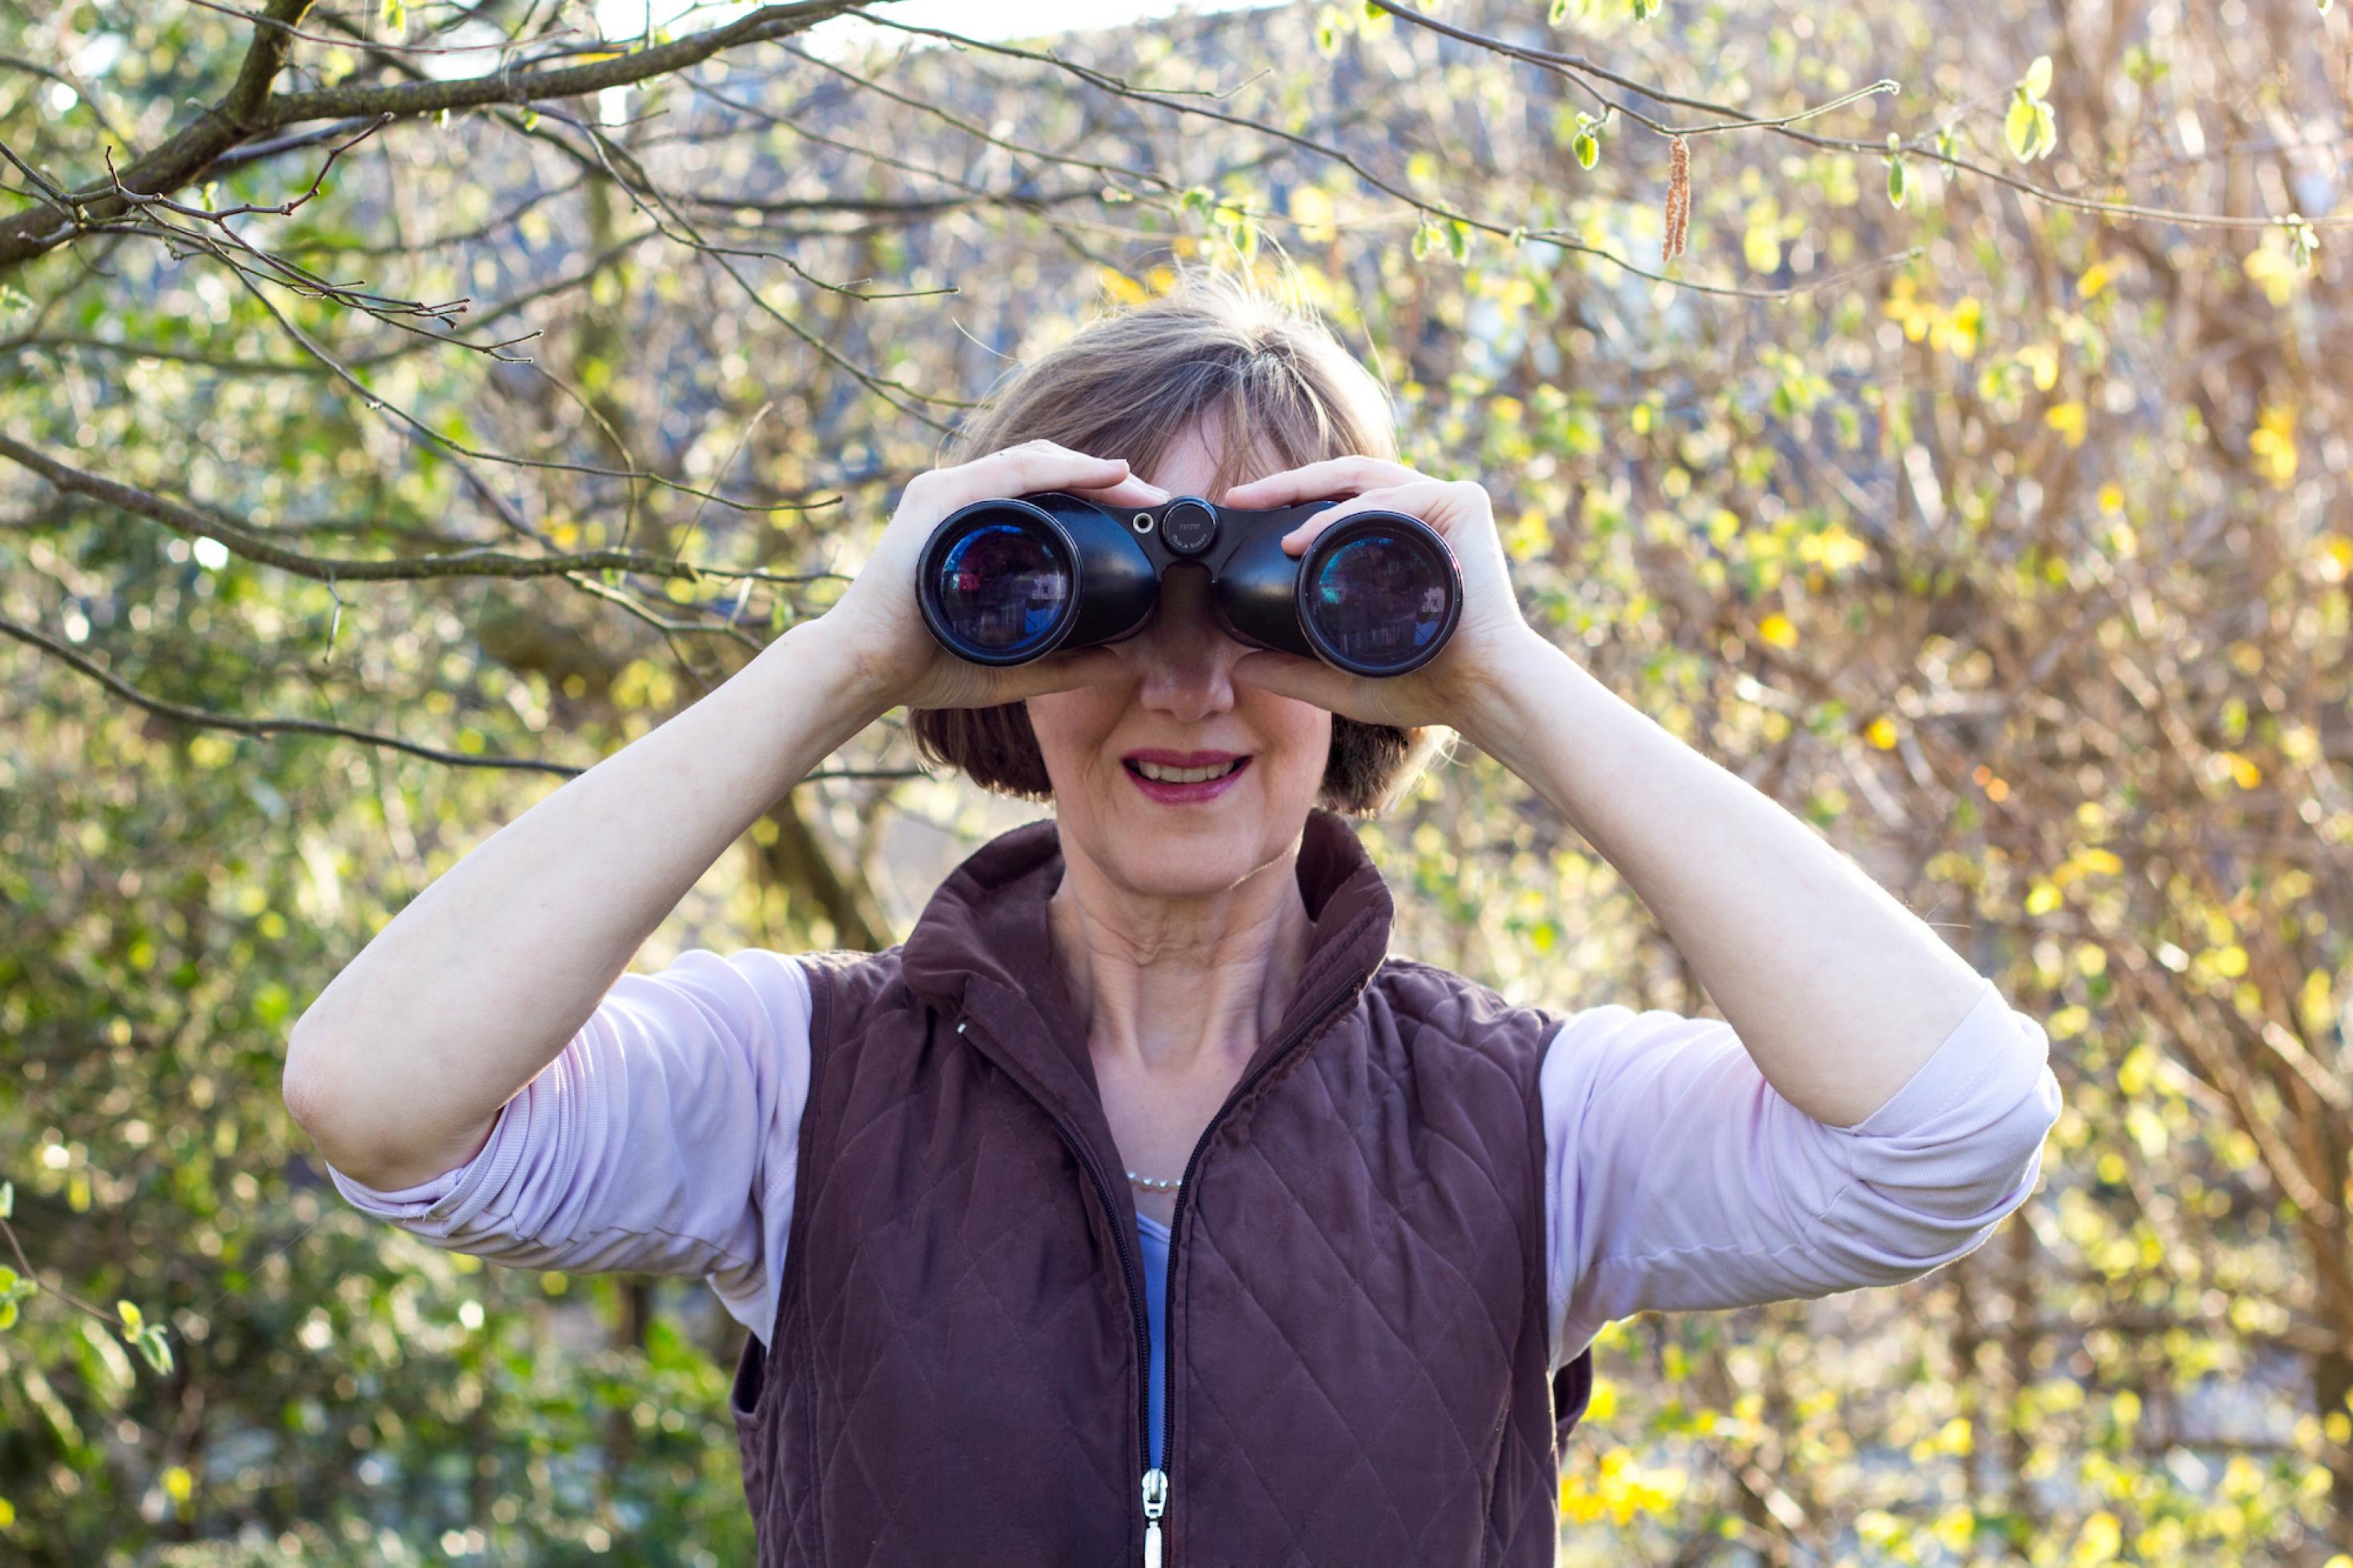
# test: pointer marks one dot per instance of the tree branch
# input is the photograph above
(188, 521)
(248, 108)
(208, 719)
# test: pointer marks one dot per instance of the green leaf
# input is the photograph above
(1646, 9)
(132, 1319)
(8, 1312)
(1898, 183)
(2046, 129)
(1458, 238)
(1587, 148)
(2303, 244)
(2018, 125)
(1559, 12)
(7, 1199)
(158, 1352)
(2036, 82)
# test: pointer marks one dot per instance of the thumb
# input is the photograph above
(1060, 672)
(1288, 675)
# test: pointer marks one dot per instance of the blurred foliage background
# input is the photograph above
(1972, 478)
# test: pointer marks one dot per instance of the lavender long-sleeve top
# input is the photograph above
(663, 1137)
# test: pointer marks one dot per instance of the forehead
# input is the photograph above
(1188, 464)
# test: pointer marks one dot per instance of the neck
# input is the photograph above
(1175, 985)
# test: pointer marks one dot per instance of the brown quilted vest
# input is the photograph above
(1356, 1342)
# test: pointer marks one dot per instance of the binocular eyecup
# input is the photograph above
(1005, 581)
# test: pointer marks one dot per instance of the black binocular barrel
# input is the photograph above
(1005, 581)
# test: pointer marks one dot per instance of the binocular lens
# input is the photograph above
(1379, 598)
(1002, 588)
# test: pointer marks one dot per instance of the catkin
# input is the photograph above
(1678, 197)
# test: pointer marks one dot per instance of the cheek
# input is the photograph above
(1071, 725)
(1304, 733)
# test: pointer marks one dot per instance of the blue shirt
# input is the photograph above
(1155, 1237)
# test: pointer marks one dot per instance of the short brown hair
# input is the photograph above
(1215, 347)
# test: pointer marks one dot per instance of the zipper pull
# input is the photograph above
(1155, 1500)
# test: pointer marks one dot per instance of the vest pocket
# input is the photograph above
(746, 1409)
(744, 1401)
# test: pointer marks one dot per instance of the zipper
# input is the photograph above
(1156, 1486)
(1156, 1499)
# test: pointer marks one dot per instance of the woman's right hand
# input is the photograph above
(877, 617)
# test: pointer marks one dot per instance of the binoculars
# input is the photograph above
(1005, 581)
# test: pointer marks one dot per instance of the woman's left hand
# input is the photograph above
(1490, 632)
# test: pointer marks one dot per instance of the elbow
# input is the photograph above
(316, 1099)
(324, 1113)
(307, 1087)
(347, 1125)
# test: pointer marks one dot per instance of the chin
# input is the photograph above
(1181, 864)
(1184, 852)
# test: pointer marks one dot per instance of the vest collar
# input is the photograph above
(982, 951)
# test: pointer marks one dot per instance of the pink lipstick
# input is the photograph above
(1185, 778)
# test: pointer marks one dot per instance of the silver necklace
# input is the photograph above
(1154, 1184)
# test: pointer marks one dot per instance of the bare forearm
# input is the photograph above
(399, 1066)
(1838, 990)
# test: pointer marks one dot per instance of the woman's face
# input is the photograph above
(1176, 703)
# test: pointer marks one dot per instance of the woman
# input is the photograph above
(1141, 1203)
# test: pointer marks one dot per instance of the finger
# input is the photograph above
(1018, 470)
(1038, 464)
(1417, 499)
(1314, 481)
(1130, 490)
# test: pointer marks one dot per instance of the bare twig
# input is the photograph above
(240, 724)
(249, 110)
(1577, 66)
(191, 522)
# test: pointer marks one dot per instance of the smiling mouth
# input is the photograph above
(1160, 774)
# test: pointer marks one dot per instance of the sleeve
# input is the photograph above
(661, 1139)
(1678, 1178)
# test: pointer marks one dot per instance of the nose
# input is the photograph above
(1184, 659)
